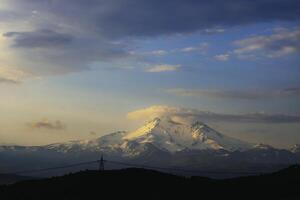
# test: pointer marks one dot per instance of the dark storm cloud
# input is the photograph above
(147, 18)
(40, 38)
(122, 18)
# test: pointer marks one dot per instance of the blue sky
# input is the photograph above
(86, 65)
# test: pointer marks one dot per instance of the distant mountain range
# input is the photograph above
(163, 142)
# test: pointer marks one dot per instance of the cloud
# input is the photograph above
(222, 57)
(6, 80)
(39, 39)
(163, 68)
(10, 75)
(153, 111)
(282, 43)
(45, 124)
(184, 115)
(202, 48)
(126, 18)
(159, 52)
(250, 94)
(58, 37)
(214, 30)
(189, 49)
(48, 52)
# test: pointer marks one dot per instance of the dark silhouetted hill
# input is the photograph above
(147, 184)
(12, 178)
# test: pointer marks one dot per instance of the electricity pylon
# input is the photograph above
(101, 163)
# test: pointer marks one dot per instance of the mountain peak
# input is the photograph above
(174, 134)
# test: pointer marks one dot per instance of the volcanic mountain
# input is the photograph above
(165, 141)
(170, 135)
(164, 134)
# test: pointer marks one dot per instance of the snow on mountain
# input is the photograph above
(165, 141)
(295, 148)
(262, 146)
(168, 134)
(165, 134)
(112, 140)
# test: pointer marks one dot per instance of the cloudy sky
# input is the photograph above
(75, 69)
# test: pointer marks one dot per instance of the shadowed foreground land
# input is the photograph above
(12, 178)
(146, 184)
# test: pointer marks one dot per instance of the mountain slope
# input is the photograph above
(170, 135)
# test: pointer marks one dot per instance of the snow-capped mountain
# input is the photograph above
(164, 141)
(167, 134)
(163, 133)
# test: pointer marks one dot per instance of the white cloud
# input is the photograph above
(185, 115)
(163, 68)
(189, 49)
(159, 52)
(153, 111)
(202, 48)
(222, 57)
(176, 114)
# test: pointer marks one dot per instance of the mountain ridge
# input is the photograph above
(166, 142)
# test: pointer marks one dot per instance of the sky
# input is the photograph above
(78, 69)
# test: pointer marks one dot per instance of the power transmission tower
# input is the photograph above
(101, 163)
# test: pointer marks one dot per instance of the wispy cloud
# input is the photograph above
(46, 124)
(214, 30)
(39, 39)
(9, 75)
(222, 57)
(6, 80)
(159, 52)
(182, 115)
(202, 48)
(237, 94)
(281, 43)
(163, 68)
